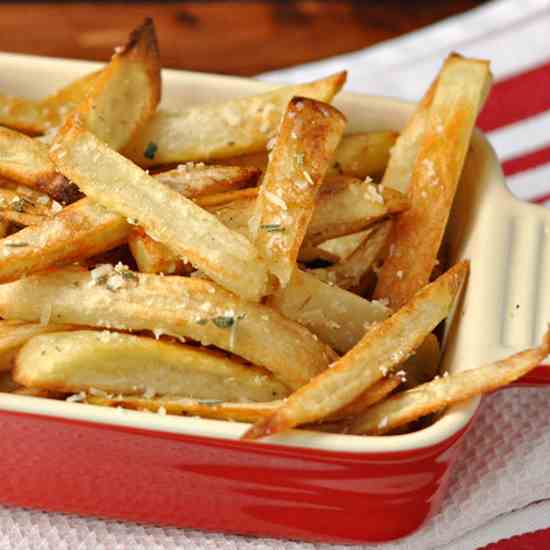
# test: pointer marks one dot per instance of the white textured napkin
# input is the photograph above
(504, 465)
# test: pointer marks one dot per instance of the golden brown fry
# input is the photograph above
(24, 115)
(152, 256)
(25, 161)
(215, 131)
(19, 208)
(71, 362)
(442, 392)
(14, 334)
(348, 273)
(382, 349)
(189, 231)
(178, 306)
(307, 139)
(341, 248)
(423, 366)
(206, 408)
(125, 93)
(62, 102)
(39, 117)
(417, 234)
(362, 155)
(338, 317)
(347, 205)
(197, 179)
(375, 393)
(79, 231)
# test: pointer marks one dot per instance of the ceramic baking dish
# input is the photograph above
(192, 472)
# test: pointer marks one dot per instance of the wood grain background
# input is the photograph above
(242, 38)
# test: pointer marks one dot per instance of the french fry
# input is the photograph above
(337, 317)
(348, 273)
(363, 155)
(384, 347)
(24, 115)
(347, 205)
(125, 94)
(61, 103)
(39, 117)
(81, 230)
(307, 139)
(444, 391)
(235, 127)
(423, 366)
(178, 306)
(197, 179)
(206, 408)
(25, 161)
(190, 180)
(375, 393)
(417, 234)
(152, 256)
(188, 230)
(71, 362)
(358, 155)
(341, 248)
(14, 334)
(19, 208)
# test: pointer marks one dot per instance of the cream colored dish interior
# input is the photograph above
(508, 243)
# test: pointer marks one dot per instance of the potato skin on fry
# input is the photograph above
(178, 306)
(71, 362)
(383, 348)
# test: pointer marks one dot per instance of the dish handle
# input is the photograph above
(529, 282)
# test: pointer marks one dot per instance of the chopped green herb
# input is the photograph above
(230, 143)
(150, 150)
(18, 205)
(128, 275)
(227, 321)
(224, 322)
(272, 227)
(202, 321)
(16, 245)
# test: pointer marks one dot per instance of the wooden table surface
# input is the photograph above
(244, 38)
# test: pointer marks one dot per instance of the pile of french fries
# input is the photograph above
(243, 260)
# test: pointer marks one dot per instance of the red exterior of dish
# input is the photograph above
(248, 488)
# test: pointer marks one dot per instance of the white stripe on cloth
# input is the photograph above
(530, 184)
(521, 137)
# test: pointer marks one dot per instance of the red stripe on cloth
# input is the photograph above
(541, 200)
(520, 96)
(527, 161)
(530, 541)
